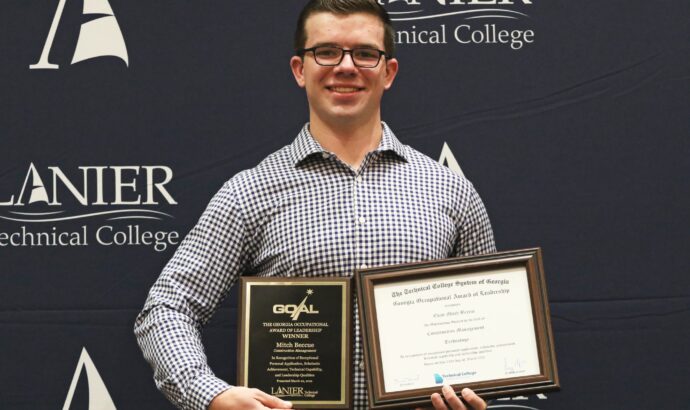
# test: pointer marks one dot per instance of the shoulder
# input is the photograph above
(256, 187)
(442, 176)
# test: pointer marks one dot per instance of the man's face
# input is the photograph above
(344, 93)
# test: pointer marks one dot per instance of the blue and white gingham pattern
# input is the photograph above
(303, 212)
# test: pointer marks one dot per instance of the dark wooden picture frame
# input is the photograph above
(530, 259)
(254, 345)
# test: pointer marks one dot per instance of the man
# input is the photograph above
(345, 194)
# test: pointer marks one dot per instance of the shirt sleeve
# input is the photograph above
(184, 297)
(475, 235)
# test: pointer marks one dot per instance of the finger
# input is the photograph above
(476, 402)
(452, 399)
(437, 402)
(271, 402)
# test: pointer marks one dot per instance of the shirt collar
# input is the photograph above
(305, 145)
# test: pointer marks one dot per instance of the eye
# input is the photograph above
(366, 53)
(327, 52)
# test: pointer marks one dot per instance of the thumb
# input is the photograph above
(272, 402)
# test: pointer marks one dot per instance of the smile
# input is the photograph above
(345, 89)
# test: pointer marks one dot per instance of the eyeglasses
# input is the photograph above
(332, 56)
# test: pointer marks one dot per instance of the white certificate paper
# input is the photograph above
(456, 329)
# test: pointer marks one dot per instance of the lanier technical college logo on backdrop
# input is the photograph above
(498, 23)
(99, 398)
(99, 37)
(91, 205)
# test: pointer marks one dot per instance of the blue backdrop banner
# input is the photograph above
(120, 119)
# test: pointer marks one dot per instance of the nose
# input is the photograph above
(347, 63)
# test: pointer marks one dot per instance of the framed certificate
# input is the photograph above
(480, 322)
(295, 339)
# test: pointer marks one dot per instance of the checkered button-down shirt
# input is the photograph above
(303, 212)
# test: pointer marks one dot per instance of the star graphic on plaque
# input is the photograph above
(310, 291)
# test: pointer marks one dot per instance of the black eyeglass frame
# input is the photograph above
(302, 51)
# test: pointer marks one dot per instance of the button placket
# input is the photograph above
(361, 220)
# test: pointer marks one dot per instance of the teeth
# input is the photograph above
(344, 89)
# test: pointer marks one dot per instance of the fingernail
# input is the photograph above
(446, 388)
(465, 391)
(288, 404)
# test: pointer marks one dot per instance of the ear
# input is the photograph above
(391, 72)
(297, 67)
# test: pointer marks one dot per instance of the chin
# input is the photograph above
(346, 117)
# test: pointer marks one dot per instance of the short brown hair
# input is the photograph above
(346, 7)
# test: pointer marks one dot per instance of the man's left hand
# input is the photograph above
(471, 400)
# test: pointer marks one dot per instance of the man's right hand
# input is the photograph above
(243, 398)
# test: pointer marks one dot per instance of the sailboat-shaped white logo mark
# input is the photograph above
(99, 398)
(97, 38)
(38, 188)
(447, 158)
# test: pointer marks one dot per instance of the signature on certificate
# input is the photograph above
(513, 365)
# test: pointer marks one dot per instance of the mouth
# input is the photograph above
(344, 90)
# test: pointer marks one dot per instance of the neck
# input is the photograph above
(350, 141)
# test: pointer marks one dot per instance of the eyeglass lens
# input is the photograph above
(362, 57)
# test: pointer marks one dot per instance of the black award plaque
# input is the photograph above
(295, 341)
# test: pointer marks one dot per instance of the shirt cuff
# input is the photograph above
(204, 389)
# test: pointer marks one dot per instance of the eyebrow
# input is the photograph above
(364, 45)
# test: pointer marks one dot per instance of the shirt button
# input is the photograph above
(361, 220)
(361, 365)
(359, 179)
(325, 155)
(364, 266)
